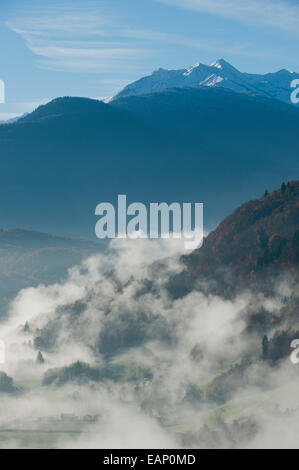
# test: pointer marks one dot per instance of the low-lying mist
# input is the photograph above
(125, 364)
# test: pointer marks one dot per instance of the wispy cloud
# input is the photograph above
(218, 46)
(73, 38)
(277, 13)
(88, 40)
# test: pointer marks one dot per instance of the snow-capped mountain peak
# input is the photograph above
(219, 74)
(220, 64)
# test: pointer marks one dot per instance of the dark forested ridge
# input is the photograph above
(258, 241)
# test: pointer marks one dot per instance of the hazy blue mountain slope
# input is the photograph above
(29, 258)
(184, 144)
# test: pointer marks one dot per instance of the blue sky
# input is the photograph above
(93, 48)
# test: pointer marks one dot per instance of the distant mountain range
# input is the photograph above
(193, 144)
(218, 74)
(14, 119)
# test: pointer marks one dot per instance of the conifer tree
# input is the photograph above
(40, 359)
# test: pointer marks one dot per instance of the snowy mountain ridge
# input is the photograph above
(219, 74)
